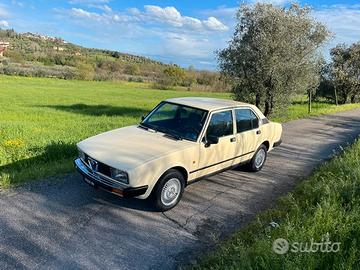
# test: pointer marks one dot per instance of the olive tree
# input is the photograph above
(273, 54)
(345, 72)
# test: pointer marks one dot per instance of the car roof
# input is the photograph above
(206, 103)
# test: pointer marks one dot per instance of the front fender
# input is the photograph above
(150, 172)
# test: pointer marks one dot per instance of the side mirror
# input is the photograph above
(210, 139)
(142, 118)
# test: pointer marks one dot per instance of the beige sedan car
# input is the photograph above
(179, 141)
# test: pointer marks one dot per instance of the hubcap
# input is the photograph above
(170, 191)
(260, 158)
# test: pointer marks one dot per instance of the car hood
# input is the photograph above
(129, 147)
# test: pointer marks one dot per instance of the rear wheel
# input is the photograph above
(259, 158)
(168, 190)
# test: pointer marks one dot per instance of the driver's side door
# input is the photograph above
(221, 155)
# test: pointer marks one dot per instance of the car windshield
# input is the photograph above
(176, 120)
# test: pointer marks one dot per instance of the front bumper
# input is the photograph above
(99, 180)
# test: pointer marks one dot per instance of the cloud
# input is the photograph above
(214, 24)
(105, 8)
(223, 12)
(167, 16)
(17, 3)
(171, 16)
(274, 2)
(4, 24)
(106, 18)
(342, 20)
(80, 13)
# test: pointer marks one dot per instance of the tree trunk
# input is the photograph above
(352, 99)
(309, 104)
(267, 108)
(268, 103)
(272, 105)
(268, 98)
(344, 95)
(336, 97)
(257, 100)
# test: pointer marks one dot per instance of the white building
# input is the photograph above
(3, 47)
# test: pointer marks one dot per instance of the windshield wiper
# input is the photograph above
(170, 133)
(146, 128)
(174, 136)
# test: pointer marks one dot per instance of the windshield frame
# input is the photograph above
(178, 104)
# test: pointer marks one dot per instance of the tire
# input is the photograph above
(258, 160)
(168, 190)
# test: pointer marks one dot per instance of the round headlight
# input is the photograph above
(119, 175)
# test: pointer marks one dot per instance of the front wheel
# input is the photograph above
(258, 160)
(168, 190)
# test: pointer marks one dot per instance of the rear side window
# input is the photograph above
(221, 124)
(245, 120)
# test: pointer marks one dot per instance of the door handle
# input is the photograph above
(258, 132)
(233, 139)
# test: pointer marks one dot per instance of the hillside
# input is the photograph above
(35, 54)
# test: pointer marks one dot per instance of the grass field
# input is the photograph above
(42, 119)
(327, 202)
(299, 109)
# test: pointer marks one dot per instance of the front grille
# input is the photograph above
(102, 168)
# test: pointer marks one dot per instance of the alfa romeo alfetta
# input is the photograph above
(179, 141)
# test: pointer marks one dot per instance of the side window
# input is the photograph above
(246, 120)
(221, 124)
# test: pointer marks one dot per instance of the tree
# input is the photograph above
(85, 71)
(326, 87)
(132, 69)
(345, 72)
(175, 74)
(273, 54)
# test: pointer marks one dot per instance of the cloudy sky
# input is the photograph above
(183, 32)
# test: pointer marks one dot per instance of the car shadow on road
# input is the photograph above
(99, 110)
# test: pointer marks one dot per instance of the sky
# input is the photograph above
(182, 32)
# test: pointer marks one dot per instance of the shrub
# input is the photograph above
(174, 75)
(132, 69)
(85, 72)
(15, 56)
(37, 71)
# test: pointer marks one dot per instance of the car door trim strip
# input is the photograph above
(206, 167)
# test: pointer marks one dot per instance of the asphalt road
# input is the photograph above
(66, 224)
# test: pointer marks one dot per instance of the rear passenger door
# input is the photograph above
(248, 134)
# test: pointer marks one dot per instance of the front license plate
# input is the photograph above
(91, 183)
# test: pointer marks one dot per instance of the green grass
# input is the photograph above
(299, 109)
(326, 202)
(41, 120)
